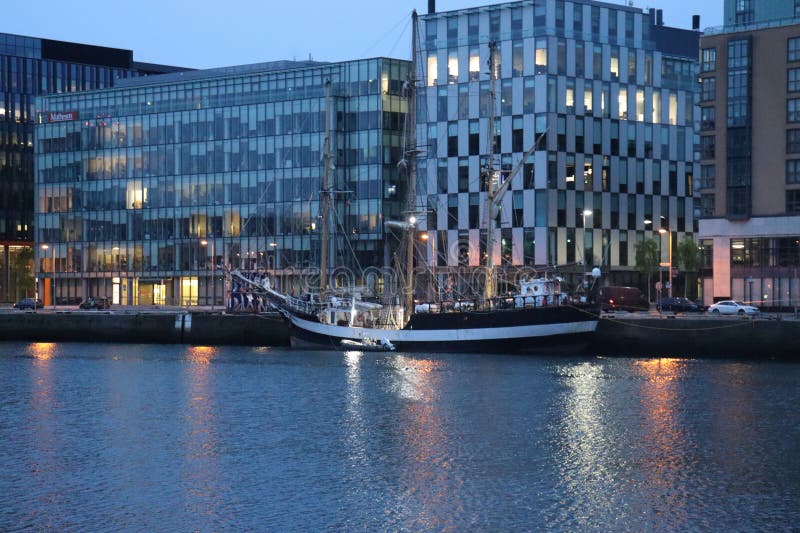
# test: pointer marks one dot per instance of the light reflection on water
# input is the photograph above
(109, 437)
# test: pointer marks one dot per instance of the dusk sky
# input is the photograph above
(206, 34)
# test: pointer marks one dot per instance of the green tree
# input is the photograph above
(687, 255)
(22, 271)
(647, 260)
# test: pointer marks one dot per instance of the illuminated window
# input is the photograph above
(614, 65)
(433, 66)
(474, 65)
(570, 95)
(541, 56)
(587, 100)
(623, 103)
(452, 67)
(136, 195)
(673, 108)
(640, 105)
(189, 291)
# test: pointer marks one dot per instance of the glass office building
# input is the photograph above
(30, 67)
(612, 92)
(147, 191)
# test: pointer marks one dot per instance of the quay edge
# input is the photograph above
(621, 336)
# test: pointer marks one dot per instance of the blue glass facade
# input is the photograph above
(146, 191)
(30, 67)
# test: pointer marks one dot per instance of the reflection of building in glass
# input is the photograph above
(750, 155)
(30, 67)
(612, 88)
(146, 181)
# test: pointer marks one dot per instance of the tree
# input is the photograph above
(647, 259)
(687, 255)
(22, 270)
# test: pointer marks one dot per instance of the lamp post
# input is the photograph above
(204, 243)
(45, 247)
(585, 213)
(662, 231)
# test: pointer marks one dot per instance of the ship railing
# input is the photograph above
(499, 303)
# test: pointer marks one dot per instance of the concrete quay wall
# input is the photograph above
(149, 327)
(623, 336)
(706, 337)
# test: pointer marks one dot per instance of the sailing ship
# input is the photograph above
(539, 316)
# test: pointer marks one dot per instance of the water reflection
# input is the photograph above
(428, 474)
(201, 441)
(43, 434)
(584, 440)
(356, 431)
(664, 458)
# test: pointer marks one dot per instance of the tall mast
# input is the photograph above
(411, 155)
(326, 195)
(489, 174)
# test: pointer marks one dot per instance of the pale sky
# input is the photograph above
(216, 33)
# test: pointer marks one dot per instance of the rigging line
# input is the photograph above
(406, 18)
(399, 37)
(340, 224)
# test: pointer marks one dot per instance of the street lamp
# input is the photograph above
(45, 247)
(204, 243)
(662, 231)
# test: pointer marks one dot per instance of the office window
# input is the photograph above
(793, 171)
(708, 146)
(793, 110)
(793, 202)
(708, 118)
(708, 88)
(517, 59)
(474, 64)
(708, 61)
(540, 57)
(452, 67)
(708, 174)
(793, 79)
(793, 141)
(744, 11)
(793, 49)
(433, 65)
(707, 205)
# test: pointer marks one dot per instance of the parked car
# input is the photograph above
(95, 303)
(28, 303)
(730, 307)
(622, 299)
(679, 305)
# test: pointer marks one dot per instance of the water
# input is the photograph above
(175, 438)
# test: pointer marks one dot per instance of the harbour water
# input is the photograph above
(102, 437)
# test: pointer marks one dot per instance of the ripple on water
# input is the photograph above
(141, 437)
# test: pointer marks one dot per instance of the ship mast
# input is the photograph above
(411, 161)
(326, 196)
(495, 191)
(489, 175)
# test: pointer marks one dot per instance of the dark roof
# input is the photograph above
(676, 41)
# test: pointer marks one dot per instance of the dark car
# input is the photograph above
(622, 299)
(95, 303)
(679, 305)
(28, 303)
